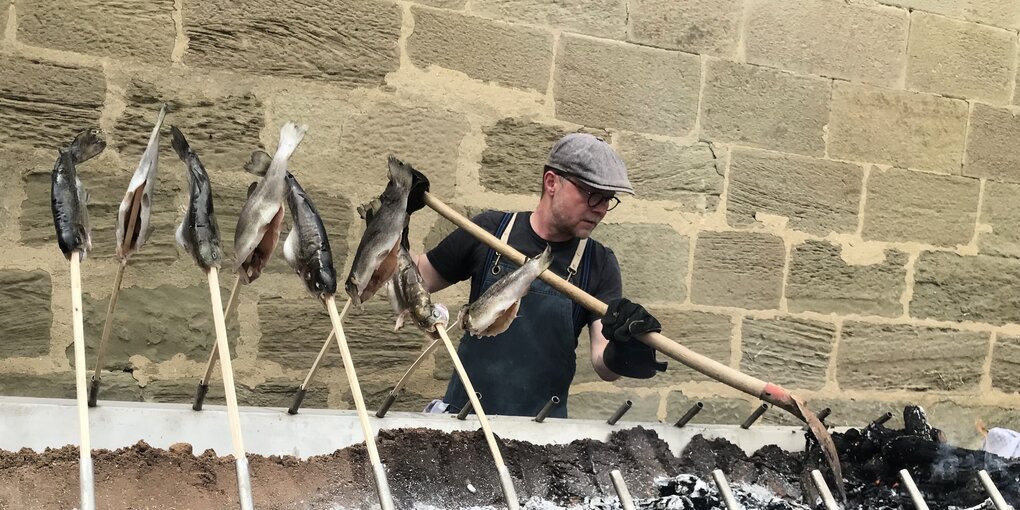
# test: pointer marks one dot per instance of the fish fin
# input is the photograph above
(400, 321)
(251, 188)
(258, 163)
(400, 173)
(545, 259)
(290, 248)
(88, 144)
(503, 320)
(180, 144)
(180, 236)
(291, 135)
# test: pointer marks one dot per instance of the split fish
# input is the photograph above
(68, 198)
(493, 311)
(136, 208)
(376, 258)
(261, 218)
(198, 233)
(307, 246)
(411, 300)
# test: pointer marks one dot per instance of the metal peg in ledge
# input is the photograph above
(467, 407)
(690, 414)
(754, 416)
(620, 412)
(552, 403)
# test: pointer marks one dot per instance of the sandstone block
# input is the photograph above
(1002, 13)
(958, 419)
(821, 281)
(858, 412)
(884, 357)
(25, 313)
(761, 107)
(280, 393)
(990, 151)
(738, 269)
(1006, 363)
(999, 211)
(3, 21)
(867, 124)
(512, 55)
(830, 39)
(444, 4)
(687, 175)
(960, 59)
(628, 87)
(118, 386)
(602, 18)
(375, 390)
(816, 195)
(351, 43)
(515, 153)
(45, 105)
(904, 205)
(143, 31)
(653, 260)
(182, 391)
(598, 405)
(719, 410)
(695, 26)
(787, 351)
(957, 288)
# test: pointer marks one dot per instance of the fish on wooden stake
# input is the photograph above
(133, 227)
(306, 248)
(198, 234)
(261, 218)
(376, 258)
(493, 311)
(411, 300)
(68, 198)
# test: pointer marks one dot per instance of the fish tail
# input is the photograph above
(180, 144)
(86, 145)
(545, 259)
(290, 136)
(400, 173)
(258, 163)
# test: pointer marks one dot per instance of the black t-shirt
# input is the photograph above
(460, 256)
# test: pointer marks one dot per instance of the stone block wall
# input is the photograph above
(826, 190)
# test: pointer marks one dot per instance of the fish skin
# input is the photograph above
(307, 246)
(138, 196)
(198, 233)
(68, 197)
(493, 311)
(261, 218)
(411, 300)
(376, 258)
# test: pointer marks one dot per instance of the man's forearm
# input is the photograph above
(433, 281)
(598, 347)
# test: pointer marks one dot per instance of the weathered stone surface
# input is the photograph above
(790, 352)
(443, 228)
(821, 281)
(690, 175)
(598, 405)
(818, 196)
(999, 211)
(887, 356)
(515, 151)
(603, 18)
(375, 389)
(1006, 363)
(990, 151)
(959, 419)
(3, 21)
(695, 26)
(762, 107)
(845, 413)
(105, 194)
(222, 128)
(653, 260)
(868, 124)
(629, 87)
(829, 39)
(511, 54)
(46, 104)
(182, 391)
(280, 393)
(25, 314)
(719, 410)
(116, 386)
(960, 59)
(348, 42)
(952, 287)
(156, 323)
(293, 331)
(444, 4)
(1003, 13)
(136, 30)
(904, 205)
(738, 269)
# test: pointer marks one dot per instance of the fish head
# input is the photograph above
(353, 289)
(437, 317)
(320, 281)
(464, 318)
(87, 145)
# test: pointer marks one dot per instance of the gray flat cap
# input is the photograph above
(592, 160)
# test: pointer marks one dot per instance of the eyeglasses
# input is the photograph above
(595, 198)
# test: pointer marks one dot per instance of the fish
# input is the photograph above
(261, 218)
(198, 234)
(136, 208)
(68, 197)
(493, 311)
(411, 300)
(306, 249)
(376, 257)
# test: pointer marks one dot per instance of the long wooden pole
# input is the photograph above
(203, 384)
(104, 341)
(233, 414)
(504, 474)
(86, 475)
(382, 485)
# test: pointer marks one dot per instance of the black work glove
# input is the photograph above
(624, 322)
(419, 186)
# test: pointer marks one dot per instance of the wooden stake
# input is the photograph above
(382, 485)
(392, 396)
(86, 474)
(993, 491)
(621, 490)
(823, 490)
(107, 327)
(203, 384)
(915, 495)
(233, 414)
(724, 490)
(509, 493)
(299, 396)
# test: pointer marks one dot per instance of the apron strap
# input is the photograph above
(505, 236)
(585, 273)
(572, 269)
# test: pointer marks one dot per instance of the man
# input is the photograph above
(518, 371)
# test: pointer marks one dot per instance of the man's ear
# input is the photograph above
(549, 181)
